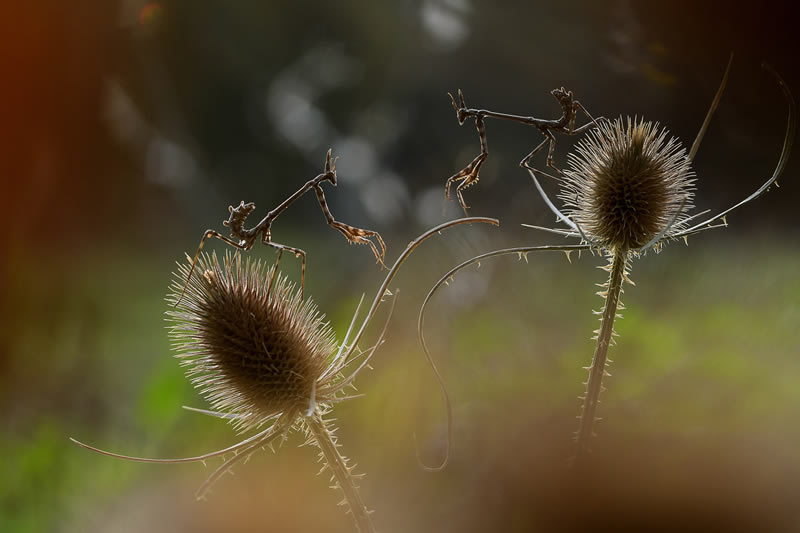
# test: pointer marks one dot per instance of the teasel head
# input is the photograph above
(628, 184)
(628, 189)
(267, 361)
(261, 355)
(249, 342)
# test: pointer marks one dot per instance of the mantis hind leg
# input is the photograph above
(551, 140)
(297, 253)
(207, 235)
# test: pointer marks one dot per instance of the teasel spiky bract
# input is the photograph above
(628, 190)
(626, 183)
(250, 344)
(267, 361)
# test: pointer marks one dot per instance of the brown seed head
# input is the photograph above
(252, 346)
(626, 184)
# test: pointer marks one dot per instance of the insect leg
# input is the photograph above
(552, 138)
(594, 121)
(525, 163)
(352, 234)
(328, 175)
(461, 175)
(297, 253)
(207, 235)
(470, 174)
(549, 138)
(573, 116)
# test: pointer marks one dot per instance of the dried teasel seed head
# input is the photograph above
(250, 343)
(626, 183)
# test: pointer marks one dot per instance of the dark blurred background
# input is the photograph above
(128, 127)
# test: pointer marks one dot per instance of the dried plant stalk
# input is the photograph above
(628, 190)
(597, 370)
(321, 435)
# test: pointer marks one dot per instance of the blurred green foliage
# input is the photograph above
(128, 127)
(707, 354)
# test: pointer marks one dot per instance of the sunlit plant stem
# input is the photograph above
(342, 473)
(600, 358)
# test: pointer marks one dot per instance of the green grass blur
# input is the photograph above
(706, 372)
(129, 127)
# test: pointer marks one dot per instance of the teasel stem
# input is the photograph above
(342, 473)
(600, 359)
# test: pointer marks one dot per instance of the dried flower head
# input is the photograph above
(251, 345)
(626, 183)
(267, 360)
(627, 189)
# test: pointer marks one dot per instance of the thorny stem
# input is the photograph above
(337, 464)
(600, 359)
(521, 252)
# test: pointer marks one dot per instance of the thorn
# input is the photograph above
(568, 253)
(686, 240)
(725, 220)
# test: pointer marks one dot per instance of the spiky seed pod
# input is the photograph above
(263, 356)
(626, 184)
(252, 346)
